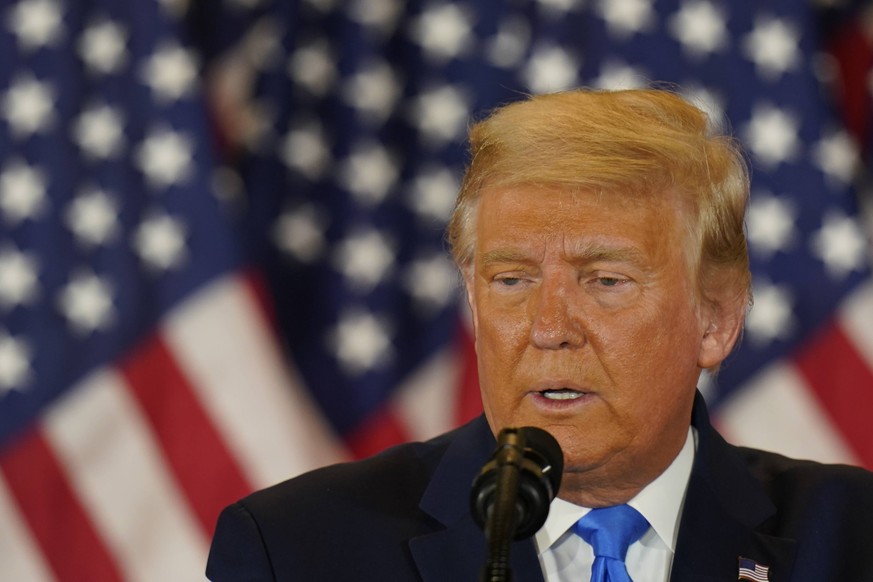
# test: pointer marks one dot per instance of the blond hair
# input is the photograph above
(635, 142)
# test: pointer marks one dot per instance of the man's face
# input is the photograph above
(587, 325)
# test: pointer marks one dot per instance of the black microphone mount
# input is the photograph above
(511, 495)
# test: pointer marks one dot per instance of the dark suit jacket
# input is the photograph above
(404, 515)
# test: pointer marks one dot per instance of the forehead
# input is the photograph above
(544, 213)
(525, 225)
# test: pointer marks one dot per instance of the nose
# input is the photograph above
(557, 322)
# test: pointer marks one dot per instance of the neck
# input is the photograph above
(614, 482)
(581, 492)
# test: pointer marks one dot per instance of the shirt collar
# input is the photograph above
(660, 502)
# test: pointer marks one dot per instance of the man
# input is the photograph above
(600, 239)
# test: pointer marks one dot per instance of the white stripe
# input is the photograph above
(754, 575)
(427, 402)
(20, 557)
(219, 339)
(117, 471)
(776, 411)
(856, 319)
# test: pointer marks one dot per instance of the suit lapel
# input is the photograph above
(725, 515)
(456, 549)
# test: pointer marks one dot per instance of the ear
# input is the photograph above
(723, 321)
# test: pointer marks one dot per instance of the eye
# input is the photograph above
(610, 281)
(509, 281)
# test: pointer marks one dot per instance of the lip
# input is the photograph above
(559, 384)
(550, 405)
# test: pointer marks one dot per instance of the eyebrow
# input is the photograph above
(503, 256)
(588, 253)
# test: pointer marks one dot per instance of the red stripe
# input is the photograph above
(843, 382)
(256, 287)
(853, 54)
(204, 469)
(60, 525)
(469, 401)
(380, 431)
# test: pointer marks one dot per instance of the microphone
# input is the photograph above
(511, 495)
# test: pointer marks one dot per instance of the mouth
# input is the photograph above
(561, 394)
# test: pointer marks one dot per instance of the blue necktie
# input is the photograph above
(610, 530)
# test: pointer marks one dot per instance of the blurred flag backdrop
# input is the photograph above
(221, 252)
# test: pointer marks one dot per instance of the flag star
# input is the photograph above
(22, 191)
(99, 131)
(175, 8)
(18, 280)
(361, 343)
(770, 224)
(508, 46)
(369, 173)
(165, 157)
(433, 194)
(773, 45)
(837, 156)
(300, 233)
(825, 68)
(103, 47)
(305, 150)
(171, 72)
(36, 23)
(441, 114)
(711, 103)
(364, 259)
(314, 67)
(86, 302)
(700, 27)
(771, 316)
(228, 188)
(259, 119)
(615, 75)
(15, 370)
(262, 46)
(841, 245)
(444, 31)
(373, 91)
(379, 15)
(771, 134)
(550, 68)
(432, 282)
(28, 106)
(160, 242)
(627, 17)
(92, 217)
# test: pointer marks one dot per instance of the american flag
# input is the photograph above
(221, 255)
(750, 570)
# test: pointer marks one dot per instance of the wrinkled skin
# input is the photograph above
(591, 296)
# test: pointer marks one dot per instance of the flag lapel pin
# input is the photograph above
(752, 571)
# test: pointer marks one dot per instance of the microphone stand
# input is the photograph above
(500, 525)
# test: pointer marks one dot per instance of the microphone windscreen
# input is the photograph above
(538, 464)
(541, 443)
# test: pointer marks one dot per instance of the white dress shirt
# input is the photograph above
(566, 557)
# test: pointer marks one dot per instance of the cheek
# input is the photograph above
(501, 339)
(628, 340)
(654, 351)
(497, 350)
(501, 330)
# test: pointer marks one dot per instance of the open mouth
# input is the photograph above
(562, 394)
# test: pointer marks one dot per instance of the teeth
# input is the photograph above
(562, 394)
